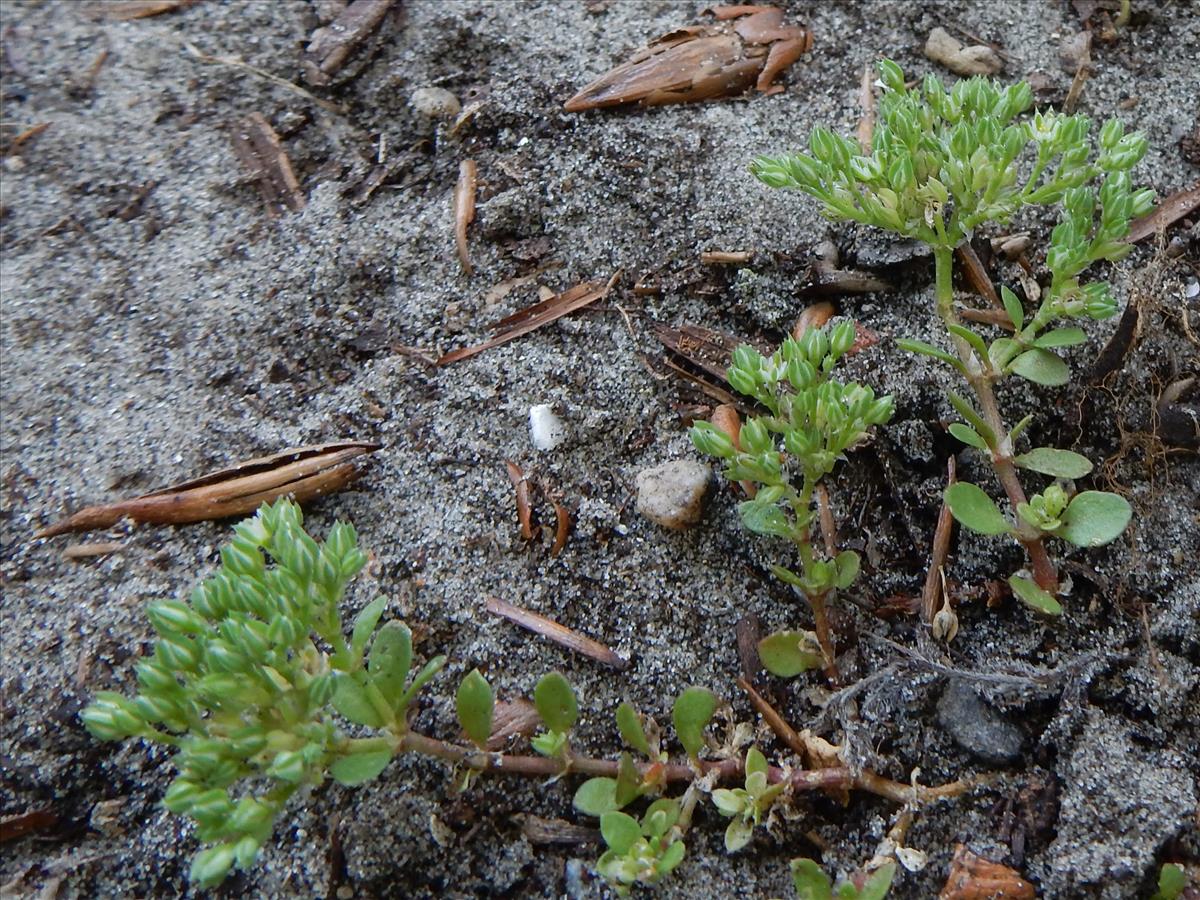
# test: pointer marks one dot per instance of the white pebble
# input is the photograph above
(672, 494)
(435, 102)
(546, 429)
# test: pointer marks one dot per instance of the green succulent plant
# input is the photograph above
(944, 163)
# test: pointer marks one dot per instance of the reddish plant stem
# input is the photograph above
(941, 548)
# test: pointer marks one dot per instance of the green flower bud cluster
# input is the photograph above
(640, 852)
(238, 684)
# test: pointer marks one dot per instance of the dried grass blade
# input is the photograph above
(555, 632)
(464, 210)
(301, 472)
(524, 512)
(536, 316)
(562, 528)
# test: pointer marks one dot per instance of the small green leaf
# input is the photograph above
(1094, 518)
(364, 625)
(878, 884)
(1172, 879)
(738, 835)
(755, 761)
(848, 564)
(1012, 306)
(474, 704)
(1033, 596)
(1061, 337)
(390, 660)
(964, 408)
(350, 699)
(629, 781)
(555, 702)
(1002, 351)
(1041, 367)
(1019, 427)
(427, 672)
(1059, 463)
(975, 509)
(764, 518)
(629, 723)
(968, 435)
(783, 654)
(660, 817)
(692, 712)
(913, 346)
(620, 832)
(787, 576)
(810, 881)
(597, 796)
(360, 767)
(970, 337)
(671, 858)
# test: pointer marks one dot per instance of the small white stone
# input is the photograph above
(546, 429)
(435, 102)
(672, 494)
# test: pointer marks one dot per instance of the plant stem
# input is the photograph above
(980, 380)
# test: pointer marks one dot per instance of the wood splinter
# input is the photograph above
(555, 632)
(258, 149)
(464, 211)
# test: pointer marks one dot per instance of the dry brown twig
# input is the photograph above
(330, 47)
(557, 633)
(257, 147)
(464, 211)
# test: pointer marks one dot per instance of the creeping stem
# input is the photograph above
(981, 379)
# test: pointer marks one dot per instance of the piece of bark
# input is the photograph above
(931, 595)
(1166, 214)
(726, 257)
(303, 473)
(555, 632)
(37, 821)
(1122, 342)
(126, 10)
(512, 718)
(974, 878)
(706, 349)
(464, 210)
(534, 317)
(330, 46)
(524, 510)
(702, 62)
(942, 48)
(258, 149)
(537, 830)
(749, 631)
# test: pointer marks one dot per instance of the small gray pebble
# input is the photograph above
(976, 727)
(435, 102)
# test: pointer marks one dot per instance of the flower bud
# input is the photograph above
(754, 437)
(173, 617)
(709, 440)
(210, 866)
(892, 76)
(178, 654)
(1111, 133)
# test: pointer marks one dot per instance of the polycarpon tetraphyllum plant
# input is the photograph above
(943, 164)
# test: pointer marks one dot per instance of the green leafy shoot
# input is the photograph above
(555, 701)
(641, 852)
(693, 710)
(474, 705)
(245, 679)
(945, 162)
(747, 805)
(811, 883)
(1172, 882)
(812, 420)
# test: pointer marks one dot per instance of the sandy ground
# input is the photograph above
(157, 324)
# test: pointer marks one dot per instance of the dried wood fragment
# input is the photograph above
(537, 830)
(330, 46)
(464, 210)
(534, 317)
(258, 149)
(1124, 339)
(931, 595)
(726, 257)
(979, 59)
(977, 276)
(749, 631)
(24, 137)
(555, 632)
(562, 528)
(866, 99)
(37, 821)
(87, 551)
(975, 878)
(524, 510)
(125, 10)
(703, 62)
(1166, 214)
(512, 718)
(303, 473)
(708, 350)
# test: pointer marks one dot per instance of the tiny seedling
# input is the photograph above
(811, 421)
(641, 852)
(943, 164)
(747, 805)
(811, 883)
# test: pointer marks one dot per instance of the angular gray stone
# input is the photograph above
(672, 494)
(976, 727)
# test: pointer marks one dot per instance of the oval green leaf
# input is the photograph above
(1033, 596)
(629, 781)
(596, 796)
(968, 435)
(879, 883)
(671, 858)
(1061, 337)
(1094, 518)
(474, 704)
(360, 767)
(783, 654)
(555, 702)
(629, 723)
(692, 712)
(810, 881)
(847, 564)
(975, 509)
(764, 518)
(914, 346)
(350, 699)
(364, 625)
(390, 660)
(1012, 306)
(620, 831)
(1059, 463)
(1041, 367)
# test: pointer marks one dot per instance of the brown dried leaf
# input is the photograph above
(303, 473)
(329, 47)
(464, 210)
(942, 48)
(512, 718)
(257, 147)
(975, 878)
(126, 10)
(524, 510)
(536, 316)
(1166, 214)
(555, 632)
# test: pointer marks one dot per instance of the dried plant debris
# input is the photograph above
(332, 45)
(1178, 412)
(125, 10)
(947, 50)
(1166, 214)
(303, 473)
(464, 210)
(534, 317)
(974, 878)
(258, 149)
(555, 632)
(749, 45)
